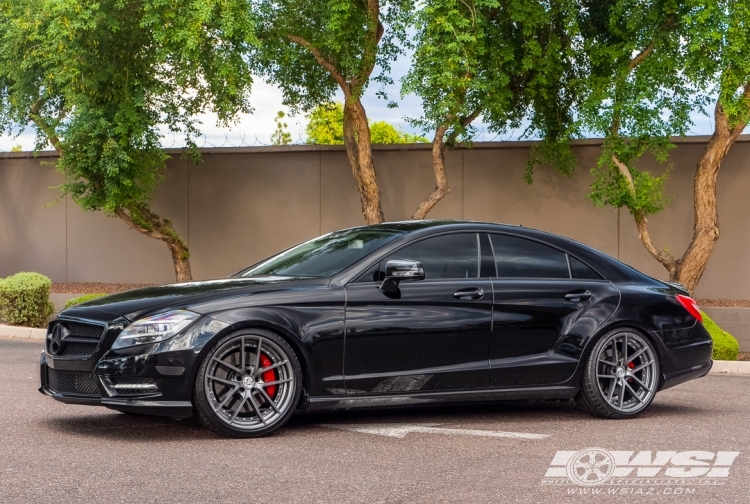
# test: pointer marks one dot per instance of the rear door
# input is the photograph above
(545, 302)
(432, 334)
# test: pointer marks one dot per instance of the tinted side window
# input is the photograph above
(446, 256)
(521, 258)
(580, 270)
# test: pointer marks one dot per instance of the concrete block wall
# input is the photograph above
(243, 204)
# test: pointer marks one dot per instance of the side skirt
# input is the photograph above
(424, 398)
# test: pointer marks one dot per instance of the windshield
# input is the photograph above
(325, 256)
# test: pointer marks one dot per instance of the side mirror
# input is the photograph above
(399, 271)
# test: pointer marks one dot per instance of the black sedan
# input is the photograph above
(392, 314)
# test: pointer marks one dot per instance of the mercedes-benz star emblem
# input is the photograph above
(56, 343)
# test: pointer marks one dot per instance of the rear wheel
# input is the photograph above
(621, 376)
(248, 384)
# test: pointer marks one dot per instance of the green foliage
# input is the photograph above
(280, 135)
(636, 94)
(726, 346)
(508, 62)
(100, 80)
(611, 188)
(555, 153)
(326, 127)
(326, 124)
(82, 299)
(344, 33)
(24, 299)
(718, 52)
(642, 69)
(16, 148)
(386, 133)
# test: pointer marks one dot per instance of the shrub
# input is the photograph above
(24, 299)
(725, 345)
(82, 299)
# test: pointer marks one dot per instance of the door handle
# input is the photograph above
(471, 293)
(577, 296)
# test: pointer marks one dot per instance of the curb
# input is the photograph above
(22, 332)
(723, 367)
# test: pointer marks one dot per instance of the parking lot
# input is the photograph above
(50, 452)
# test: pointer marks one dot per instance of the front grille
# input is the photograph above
(73, 382)
(88, 331)
(73, 339)
(77, 349)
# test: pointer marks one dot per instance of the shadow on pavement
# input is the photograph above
(143, 428)
(476, 414)
(126, 427)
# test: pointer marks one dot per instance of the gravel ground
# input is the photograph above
(724, 303)
(92, 287)
(63, 453)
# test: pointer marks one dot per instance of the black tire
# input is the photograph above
(624, 390)
(230, 404)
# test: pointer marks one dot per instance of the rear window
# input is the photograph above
(580, 270)
(521, 258)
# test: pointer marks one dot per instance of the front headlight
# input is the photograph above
(155, 328)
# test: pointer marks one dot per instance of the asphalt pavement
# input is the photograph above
(506, 452)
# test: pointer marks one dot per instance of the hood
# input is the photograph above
(135, 304)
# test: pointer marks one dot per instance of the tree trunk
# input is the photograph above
(438, 166)
(706, 212)
(359, 151)
(689, 269)
(143, 220)
(138, 217)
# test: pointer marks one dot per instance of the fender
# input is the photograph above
(312, 321)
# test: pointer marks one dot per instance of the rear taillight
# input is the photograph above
(691, 306)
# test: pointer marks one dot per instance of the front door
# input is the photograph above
(432, 334)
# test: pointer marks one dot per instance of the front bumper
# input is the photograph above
(152, 379)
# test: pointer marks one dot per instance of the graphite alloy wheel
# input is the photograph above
(248, 384)
(621, 376)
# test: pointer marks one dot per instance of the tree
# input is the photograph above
(386, 133)
(325, 124)
(280, 135)
(649, 67)
(325, 127)
(97, 80)
(498, 60)
(309, 49)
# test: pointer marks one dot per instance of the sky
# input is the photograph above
(266, 100)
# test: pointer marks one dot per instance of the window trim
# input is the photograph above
(554, 247)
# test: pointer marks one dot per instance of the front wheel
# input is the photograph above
(248, 384)
(621, 376)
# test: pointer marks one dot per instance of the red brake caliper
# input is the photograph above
(630, 366)
(268, 376)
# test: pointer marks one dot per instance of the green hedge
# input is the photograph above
(725, 345)
(83, 299)
(24, 299)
